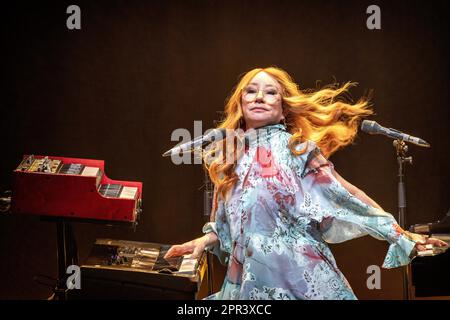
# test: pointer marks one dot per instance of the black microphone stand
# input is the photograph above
(208, 194)
(401, 149)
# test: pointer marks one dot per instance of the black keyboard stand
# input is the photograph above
(67, 250)
(67, 254)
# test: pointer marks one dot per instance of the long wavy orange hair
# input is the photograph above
(323, 116)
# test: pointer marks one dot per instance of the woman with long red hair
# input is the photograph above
(279, 200)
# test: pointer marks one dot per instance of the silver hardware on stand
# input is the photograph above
(401, 148)
(372, 127)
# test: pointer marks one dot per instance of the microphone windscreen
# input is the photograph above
(370, 126)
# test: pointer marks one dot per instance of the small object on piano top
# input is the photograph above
(440, 226)
(128, 193)
(71, 168)
(118, 191)
(90, 171)
(26, 163)
(110, 190)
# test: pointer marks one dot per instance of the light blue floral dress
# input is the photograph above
(274, 228)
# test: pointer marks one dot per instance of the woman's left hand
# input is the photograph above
(421, 246)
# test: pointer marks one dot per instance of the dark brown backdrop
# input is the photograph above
(137, 70)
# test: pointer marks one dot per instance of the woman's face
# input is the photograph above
(262, 102)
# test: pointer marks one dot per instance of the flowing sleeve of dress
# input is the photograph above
(219, 225)
(342, 217)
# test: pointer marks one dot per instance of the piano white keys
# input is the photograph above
(128, 193)
(188, 265)
(90, 171)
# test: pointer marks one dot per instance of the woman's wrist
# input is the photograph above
(209, 238)
(417, 238)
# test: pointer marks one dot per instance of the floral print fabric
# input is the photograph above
(274, 227)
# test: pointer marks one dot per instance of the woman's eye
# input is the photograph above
(251, 91)
(271, 92)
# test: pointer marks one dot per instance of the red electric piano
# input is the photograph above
(75, 188)
(65, 190)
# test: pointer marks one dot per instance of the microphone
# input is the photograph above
(200, 141)
(371, 127)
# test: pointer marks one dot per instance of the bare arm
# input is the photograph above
(194, 247)
(358, 193)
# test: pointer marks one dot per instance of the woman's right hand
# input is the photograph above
(194, 247)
